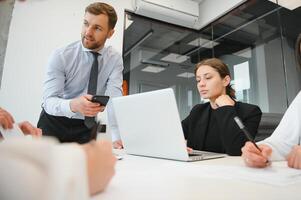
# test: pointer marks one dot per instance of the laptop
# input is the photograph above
(149, 125)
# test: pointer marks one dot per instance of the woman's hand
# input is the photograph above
(224, 100)
(255, 158)
(28, 129)
(117, 144)
(6, 120)
(101, 164)
(189, 150)
(294, 157)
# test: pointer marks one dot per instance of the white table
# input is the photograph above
(149, 178)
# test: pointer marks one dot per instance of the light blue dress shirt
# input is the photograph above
(67, 77)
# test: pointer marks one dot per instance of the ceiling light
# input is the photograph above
(289, 4)
(186, 75)
(202, 42)
(153, 69)
(175, 58)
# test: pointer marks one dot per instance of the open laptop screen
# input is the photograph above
(150, 125)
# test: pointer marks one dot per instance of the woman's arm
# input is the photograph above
(100, 165)
(232, 137)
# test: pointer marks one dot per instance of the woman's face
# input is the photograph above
(209, 82)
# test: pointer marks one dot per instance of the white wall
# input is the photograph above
(37, 28)
(6, 8)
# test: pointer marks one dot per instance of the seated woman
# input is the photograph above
(42, 168)
(210, 126)
(283, 144)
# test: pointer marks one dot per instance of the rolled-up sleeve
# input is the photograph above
(288, 132)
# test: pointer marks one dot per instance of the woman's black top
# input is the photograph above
(215, 130)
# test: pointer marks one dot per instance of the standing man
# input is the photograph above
(77, 72)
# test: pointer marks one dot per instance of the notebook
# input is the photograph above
(149, 125)
(11, 133)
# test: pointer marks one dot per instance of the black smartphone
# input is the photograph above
(103, 100)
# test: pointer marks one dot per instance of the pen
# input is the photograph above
(245, 131)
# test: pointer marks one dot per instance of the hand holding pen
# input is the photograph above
(254, 155)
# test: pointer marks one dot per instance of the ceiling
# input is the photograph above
(163, 38)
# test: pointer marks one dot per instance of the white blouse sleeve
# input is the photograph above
(288, 132)
(69, 178)
(42, 169)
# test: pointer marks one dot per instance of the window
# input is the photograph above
(256, 40)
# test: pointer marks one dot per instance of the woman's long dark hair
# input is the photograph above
(221, 68)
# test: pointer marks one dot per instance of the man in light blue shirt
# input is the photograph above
(66, 101)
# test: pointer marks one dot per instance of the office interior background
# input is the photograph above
(161, 41)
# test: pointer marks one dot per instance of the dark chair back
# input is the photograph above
(267, 125)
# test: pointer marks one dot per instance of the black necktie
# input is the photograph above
(92, 87)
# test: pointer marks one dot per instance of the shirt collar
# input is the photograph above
(88, 50)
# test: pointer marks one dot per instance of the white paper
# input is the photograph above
(277, 174)
(11, 133)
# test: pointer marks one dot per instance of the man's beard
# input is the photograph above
(92, 45)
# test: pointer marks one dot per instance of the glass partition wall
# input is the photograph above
(256, 40)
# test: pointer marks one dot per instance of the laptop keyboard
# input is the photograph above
(202, 153)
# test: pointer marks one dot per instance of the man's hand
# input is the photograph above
(294, 157)
(101, 162)
(28, 129)
(84, 106)
(6, 120)
(118, 144)
(253, 157)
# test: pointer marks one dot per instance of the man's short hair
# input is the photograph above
(105, 9)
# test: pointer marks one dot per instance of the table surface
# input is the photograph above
(150, 178)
